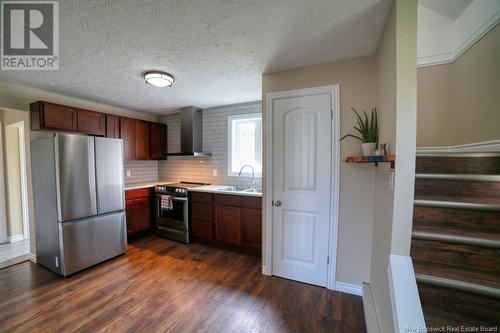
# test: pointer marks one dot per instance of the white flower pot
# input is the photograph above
(368, 148)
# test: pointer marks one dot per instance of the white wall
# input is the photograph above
(3, 207)
(442, 40)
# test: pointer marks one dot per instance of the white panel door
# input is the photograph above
(302, 132)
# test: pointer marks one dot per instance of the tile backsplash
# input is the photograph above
(215, 140)
(141, 171)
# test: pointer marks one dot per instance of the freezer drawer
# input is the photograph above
(109, 175)
(89, 241)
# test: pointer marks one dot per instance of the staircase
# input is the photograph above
(456, 238)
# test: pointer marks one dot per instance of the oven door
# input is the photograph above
(176, 218)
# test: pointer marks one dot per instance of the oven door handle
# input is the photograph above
(179, 199)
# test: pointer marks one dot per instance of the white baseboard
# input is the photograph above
(32, 257)
(266, 270)
(348, 288)
(371, 320)
(16, 238)
(479, 147)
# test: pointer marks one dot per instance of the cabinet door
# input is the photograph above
(158, 141)
(228, 224)
(252, 227)
(90, 122)
(141, 140)
(58, 117)
(112, 126)
(138, 214)
(127, 134)
(202, 229)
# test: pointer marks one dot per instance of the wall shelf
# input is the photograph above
(372, 159)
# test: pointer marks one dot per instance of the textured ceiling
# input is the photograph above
(216, 49)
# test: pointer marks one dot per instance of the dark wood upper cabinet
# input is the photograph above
(49, 116)
(142, 140)
(91, 122)
(127, 134)
(112, 126)
(158, 141)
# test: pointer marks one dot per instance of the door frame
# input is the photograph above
(23, 173)
(3, 205)
(268, 190)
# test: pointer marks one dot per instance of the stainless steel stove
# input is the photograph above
(172, 210)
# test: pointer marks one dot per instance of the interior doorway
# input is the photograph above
(14, 191)
(302, 166)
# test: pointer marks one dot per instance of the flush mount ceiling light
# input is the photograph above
(159, 79)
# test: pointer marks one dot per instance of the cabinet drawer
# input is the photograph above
(251, 202)
(201, 211)
(227, 200)
(138, 193)
(202, 229)
(201, 197)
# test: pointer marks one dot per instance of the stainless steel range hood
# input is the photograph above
(191, 133)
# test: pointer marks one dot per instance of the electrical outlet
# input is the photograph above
(214, 172)
(129, 174)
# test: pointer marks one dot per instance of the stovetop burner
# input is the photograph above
(186, 184)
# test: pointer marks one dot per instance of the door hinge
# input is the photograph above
(327, 260)
(272, 203)
(331, 113)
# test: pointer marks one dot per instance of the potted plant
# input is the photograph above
(368, 131)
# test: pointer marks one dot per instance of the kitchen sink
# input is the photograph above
(239, 189)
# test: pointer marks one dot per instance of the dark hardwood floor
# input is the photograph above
(163, 286)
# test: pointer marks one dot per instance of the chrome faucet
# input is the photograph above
(252, 183)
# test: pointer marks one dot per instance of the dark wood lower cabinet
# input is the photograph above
(228, 224)
(251, 219)
(139, 210)
(228, 220)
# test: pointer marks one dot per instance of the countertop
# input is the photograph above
(221, 189)
(135, 186)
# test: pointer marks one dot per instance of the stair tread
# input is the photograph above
(449, 198)
(436, 318)
(456, 273)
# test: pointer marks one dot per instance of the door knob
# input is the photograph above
(277, 203)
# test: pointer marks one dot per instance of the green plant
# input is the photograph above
(367, 128)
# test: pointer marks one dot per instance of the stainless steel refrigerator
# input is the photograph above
(79, 201)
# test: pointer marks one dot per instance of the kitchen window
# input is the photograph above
(245, 144)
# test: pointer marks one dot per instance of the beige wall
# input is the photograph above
(458, 103)
(18, 97)
(384, 196)
(396, 100)
(356, 78)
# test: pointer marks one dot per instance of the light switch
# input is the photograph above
(129, 174)
(214, 172)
